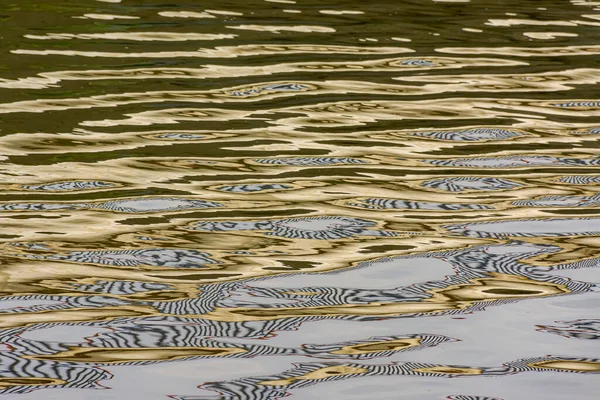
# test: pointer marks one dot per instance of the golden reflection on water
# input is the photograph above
(318, 374)
(378, 346)
(25, 381)
(580, 366)
(119, 355)
(185, 185)
(450, 371)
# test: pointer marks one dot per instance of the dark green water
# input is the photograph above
(266, 199)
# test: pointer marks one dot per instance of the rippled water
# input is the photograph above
(322, 200)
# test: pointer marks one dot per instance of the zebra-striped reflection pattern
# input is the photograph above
(577, 104)
(272, 387)
(153, 257)
(276, 87)
(27, 303)
(186, 337)
(177, 136)
(590, 131)
(578, 329)
(469, 135)
(473, 266)
(467, 397)
(199, 192)
(579, 179)
(153, 204)
(253, 188)
(528, 228)
(561, 201)
(135, 205)
(33, 358)
(467, 184)
(472, 263)
(69, 186)
(315, 228)
(418, 63)
(39, 206)
(515, 162)
(119, 287)
(392, 204)
(56, 374)
(309, 161)
(182, 329)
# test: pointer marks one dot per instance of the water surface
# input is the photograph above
(295, 198)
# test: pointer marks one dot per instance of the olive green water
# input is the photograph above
(304, 199)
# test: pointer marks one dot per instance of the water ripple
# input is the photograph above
(261, 199)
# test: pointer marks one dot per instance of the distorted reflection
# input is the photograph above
(273, 198)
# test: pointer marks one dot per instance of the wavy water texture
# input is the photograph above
(282, 198)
